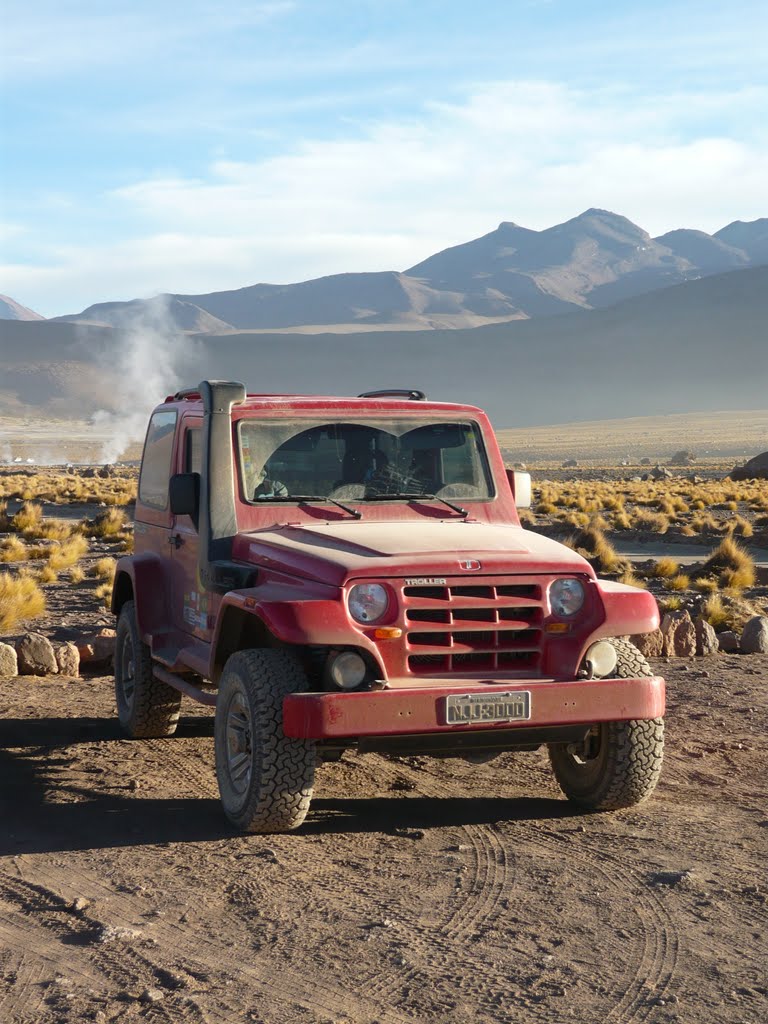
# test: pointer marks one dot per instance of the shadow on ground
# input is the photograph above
(45, 812)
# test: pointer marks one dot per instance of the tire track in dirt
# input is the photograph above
(195, 953)
(446, 941)
(111, 959)
(654, 967)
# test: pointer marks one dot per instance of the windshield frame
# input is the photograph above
(372, 420)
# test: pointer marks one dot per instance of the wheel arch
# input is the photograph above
(239, 629)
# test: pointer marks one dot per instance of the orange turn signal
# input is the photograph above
(387, 633)
(557, 627)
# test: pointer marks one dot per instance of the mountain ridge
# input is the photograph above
(591, 261)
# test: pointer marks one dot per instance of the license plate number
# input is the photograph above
(481, 708)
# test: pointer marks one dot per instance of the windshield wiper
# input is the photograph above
(413, 496)
(303, 498)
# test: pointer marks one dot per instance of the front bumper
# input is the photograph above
(401, 711)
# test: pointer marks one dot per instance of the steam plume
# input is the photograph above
(149, 359)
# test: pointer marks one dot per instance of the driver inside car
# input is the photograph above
(268, 488)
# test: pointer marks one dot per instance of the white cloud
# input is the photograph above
(387, 197)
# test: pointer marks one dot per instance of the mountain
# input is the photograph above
(513, 273)
(696, 346)
(159, 311)
(12, 310)
(750, 236)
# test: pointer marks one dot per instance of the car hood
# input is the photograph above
(336, 552)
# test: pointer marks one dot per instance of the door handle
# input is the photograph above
(176, 540)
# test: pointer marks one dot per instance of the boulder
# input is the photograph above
(660, 473)
(645, 462)
(754, 636)
(97, 650)
(650, 645)
(570, 464)
(706, 638)
(682, 458)
(679, 635)
(755, 469)
(9, 663)
(36, 656)
(68, 660)
(729, 641)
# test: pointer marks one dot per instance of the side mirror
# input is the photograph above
(184, 495)
(521, 487)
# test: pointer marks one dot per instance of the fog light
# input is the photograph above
(347, 670)
(600, 660)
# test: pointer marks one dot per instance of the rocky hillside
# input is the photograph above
(513, 273)
(12, 310)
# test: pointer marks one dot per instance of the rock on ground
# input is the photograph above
(650, 645)
(729, 641)
(9, 663)
(36, 656)
(68, 660)
(706, 638)
(679, 635)
(754, 637)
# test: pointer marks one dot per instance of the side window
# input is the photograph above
(193, 455)
(156, 462)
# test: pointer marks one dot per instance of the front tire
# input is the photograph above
(265, 778)
(619, 763)
(146, 708)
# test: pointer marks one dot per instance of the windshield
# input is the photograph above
(362, 460)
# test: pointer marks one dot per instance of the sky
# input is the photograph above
(195, 146)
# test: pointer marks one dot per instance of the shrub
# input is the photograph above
(665, 567)
(63, 555)
(104, 569)
(28, 518)
(714, 612)
(656, 522)
(13, 549)
(20, 598)
(734, 565)
(678, 582)
(110, 523)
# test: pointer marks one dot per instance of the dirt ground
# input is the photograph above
(417, 890)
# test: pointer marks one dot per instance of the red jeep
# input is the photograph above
(336, 573)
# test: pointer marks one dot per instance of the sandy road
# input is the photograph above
(417, 890)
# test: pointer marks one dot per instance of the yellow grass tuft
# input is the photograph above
(28, 518)
(13, 549)
(714, 612)
(104, 569)
(67, 553)
(109, 524)
(678, 582)
(20, 598)
(76, 574)
(664, 568)
(104, 594)
(735, 565)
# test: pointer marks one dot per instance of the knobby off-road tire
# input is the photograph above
(265, 778)
(621, 764)
(146, 708)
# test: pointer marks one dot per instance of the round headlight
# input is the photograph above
(566, 597)
(367, 602)
(347, 670)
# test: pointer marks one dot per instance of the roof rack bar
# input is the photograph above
(411, 394)
(188, 393)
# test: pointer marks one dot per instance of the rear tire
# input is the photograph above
(620, 762)
(146, 708)
(265, 778)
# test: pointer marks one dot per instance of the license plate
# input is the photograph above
(481, 708)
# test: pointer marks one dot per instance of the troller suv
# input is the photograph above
(336, 573)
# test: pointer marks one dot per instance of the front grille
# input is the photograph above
(471, 628)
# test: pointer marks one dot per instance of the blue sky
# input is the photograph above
(196, 146)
